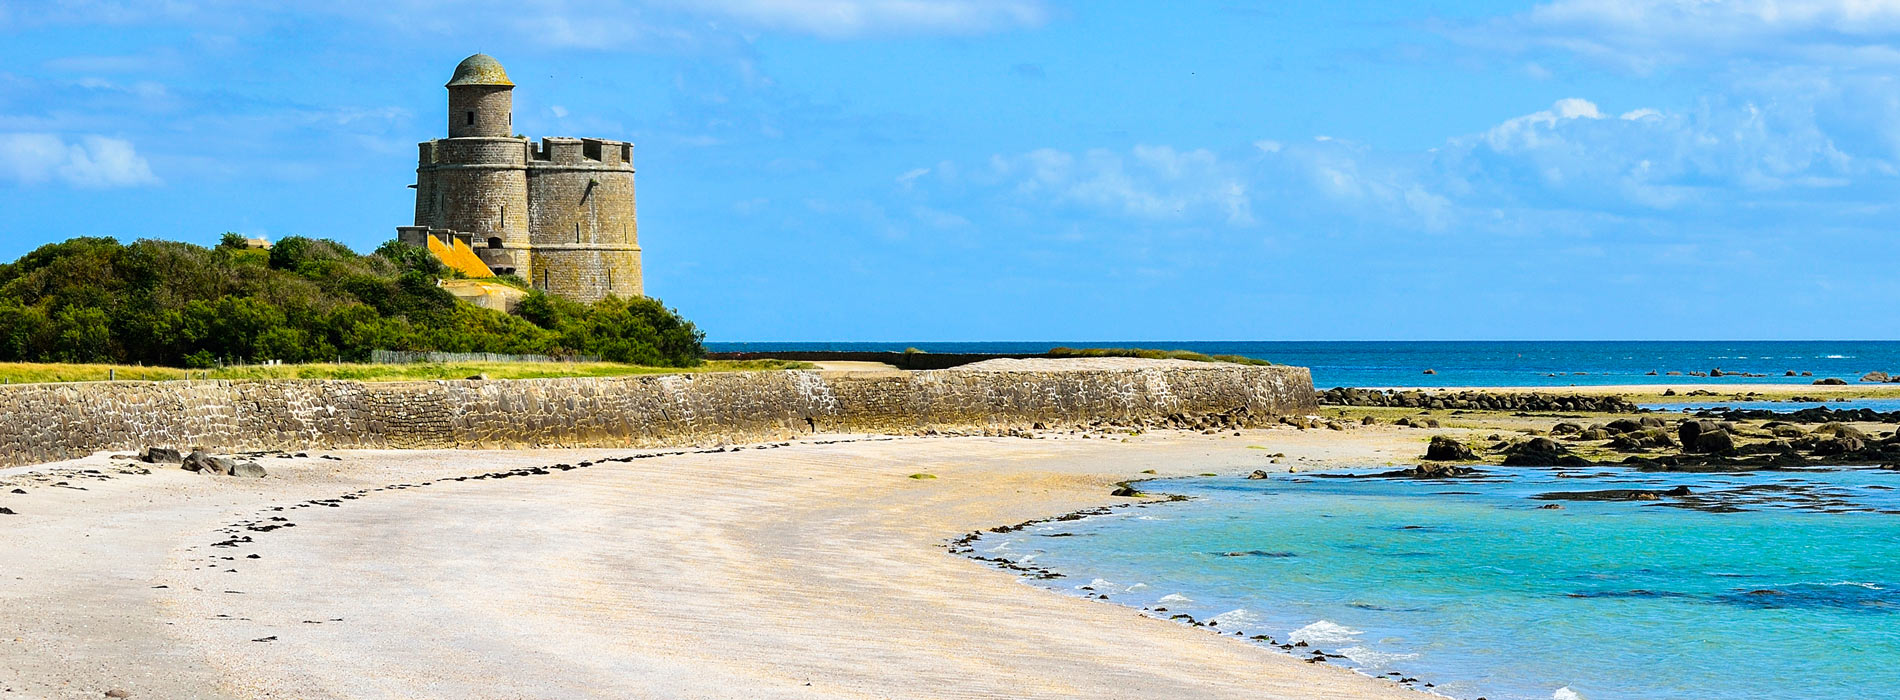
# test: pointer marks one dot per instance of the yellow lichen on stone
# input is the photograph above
(479, 69)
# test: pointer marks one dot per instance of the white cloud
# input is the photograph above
(853, 18)
(909, 179)
(91, 161)
(1574, 167)
(1152, 182)
(1642, 34)
(1574, 155)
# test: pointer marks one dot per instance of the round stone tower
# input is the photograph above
(559, 215)
(475, 182)
(581, 215)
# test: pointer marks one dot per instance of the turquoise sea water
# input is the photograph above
(1487, 363)
(1793, 591)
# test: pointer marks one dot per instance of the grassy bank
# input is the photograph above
(1153, 354)
(32, 372)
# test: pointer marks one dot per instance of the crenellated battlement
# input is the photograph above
(562, 150)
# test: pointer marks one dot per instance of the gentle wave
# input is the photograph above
(1370, 658)
(1326, 632)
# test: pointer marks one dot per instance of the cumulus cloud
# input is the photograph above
(1574, 162)
(91, 161)
(1574, 155)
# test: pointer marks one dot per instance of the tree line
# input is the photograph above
(177, 304)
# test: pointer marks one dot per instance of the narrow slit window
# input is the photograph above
(471, 118)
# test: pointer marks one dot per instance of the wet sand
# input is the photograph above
(805, 570)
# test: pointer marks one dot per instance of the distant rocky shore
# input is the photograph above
(1475, 400)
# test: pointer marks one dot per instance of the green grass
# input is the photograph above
(1152, 354)
(923, 476)
(34, 373)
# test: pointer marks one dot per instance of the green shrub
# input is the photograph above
(175, 304)
(1150, 354)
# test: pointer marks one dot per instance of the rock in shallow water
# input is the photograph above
(1613, 494)
(1446, 449)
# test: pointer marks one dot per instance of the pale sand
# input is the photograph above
(803, 571)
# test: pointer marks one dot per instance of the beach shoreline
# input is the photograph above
(729, 572)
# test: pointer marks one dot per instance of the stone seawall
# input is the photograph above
(47, 422)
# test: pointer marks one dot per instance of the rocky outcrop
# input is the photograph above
(1614, 495)
(1423, 471)
(1446, 449)
(50, 422)
(1705, 437)
(1476, 400)
(1541, 452)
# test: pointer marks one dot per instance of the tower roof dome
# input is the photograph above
(480, 69)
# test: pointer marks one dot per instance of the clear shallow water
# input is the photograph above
(1468, 585)
(1488, 363)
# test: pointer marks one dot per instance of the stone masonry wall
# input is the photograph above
(48, 422)
(583, 219)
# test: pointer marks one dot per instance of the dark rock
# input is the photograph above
(116, 693)
(7, 511)
(1831, 381)
(1839, 445)
(1842, 430)
(1876, 376)
(1431, 371)
(207, 464)
(1566, 429)
(1541, 452)
(1125, 491)
(1424, 471)
(1704, 436)
(1258, 474)
(248, 469)
(160, 455)
(479, 378)
(1368, 420)
(1594, 434)
(1785, 430)
(1623, 425)
(1642, 439)
(1445, 449)
(1613, 494)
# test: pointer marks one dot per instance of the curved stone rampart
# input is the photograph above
(47, 422)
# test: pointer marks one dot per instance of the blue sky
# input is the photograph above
(917, 170)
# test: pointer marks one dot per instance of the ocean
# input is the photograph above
(1782, 585)
(1490, 363)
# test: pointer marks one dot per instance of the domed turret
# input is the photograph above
(481, 99)
(480, 69)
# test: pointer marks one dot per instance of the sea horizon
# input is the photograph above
(1480, 363)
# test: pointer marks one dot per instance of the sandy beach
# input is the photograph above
(798, 570)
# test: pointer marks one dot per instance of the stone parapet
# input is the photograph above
(48, 422)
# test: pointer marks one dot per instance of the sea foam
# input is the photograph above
(1325, 632)
(1373, 659)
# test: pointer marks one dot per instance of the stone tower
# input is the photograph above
(559, 214)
